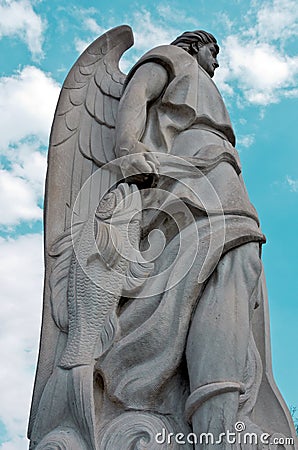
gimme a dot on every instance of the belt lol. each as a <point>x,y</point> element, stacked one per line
<point>211,129</point>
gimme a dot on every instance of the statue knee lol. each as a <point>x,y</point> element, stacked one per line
<point>208,391</point>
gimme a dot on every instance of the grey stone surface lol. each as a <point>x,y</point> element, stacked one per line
<point>155,321</point>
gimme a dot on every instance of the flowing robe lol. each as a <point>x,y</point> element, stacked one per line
<point>190,128</point>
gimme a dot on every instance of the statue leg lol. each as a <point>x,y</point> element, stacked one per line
<point>218,340</point>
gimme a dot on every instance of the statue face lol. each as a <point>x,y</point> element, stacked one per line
<point>207,58</point>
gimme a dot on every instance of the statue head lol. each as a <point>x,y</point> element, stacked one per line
<point>202,46</point>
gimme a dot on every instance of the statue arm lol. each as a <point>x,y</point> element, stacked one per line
<point>146,85</point>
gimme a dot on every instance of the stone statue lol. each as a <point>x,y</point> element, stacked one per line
<point>155,326</point>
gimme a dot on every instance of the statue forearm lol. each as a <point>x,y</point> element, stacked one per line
<point>131,123</point>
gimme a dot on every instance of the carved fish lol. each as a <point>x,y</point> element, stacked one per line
<point>105,262</point>
<point>96,262</point>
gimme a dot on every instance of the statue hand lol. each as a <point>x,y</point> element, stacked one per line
<point>140,166</point>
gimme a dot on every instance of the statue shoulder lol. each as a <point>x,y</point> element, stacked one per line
<point>175,60</point>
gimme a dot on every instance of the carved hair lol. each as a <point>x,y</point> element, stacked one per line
<point>191,41</point>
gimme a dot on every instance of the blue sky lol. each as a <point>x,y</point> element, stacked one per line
<point>39,41</point>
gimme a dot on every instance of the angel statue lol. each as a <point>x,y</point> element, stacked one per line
<point>155,328</point>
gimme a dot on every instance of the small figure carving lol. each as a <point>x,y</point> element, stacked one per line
<point>155,325</point>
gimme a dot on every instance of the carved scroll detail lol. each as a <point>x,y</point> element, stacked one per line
<point>62,439</point>
<point>137,431</point>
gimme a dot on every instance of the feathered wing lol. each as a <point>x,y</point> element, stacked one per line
<point>82,140</point>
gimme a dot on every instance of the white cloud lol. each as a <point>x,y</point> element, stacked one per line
<point>27,104</point>
<point>17,18</point>
<point>17,200</point>
<point>292,183</point>
<point>29,163</point>
<point>255,60</point>
<point>93,26</point>
<point>262,72</point>
<point>21,187</point>
<point>276,20</point>
<point>245,140</point>
<point>169,13</point>
<point>90,24</point>
<point>223,21</point>
<point>222,76</point>
<point>81,45</point>
<point>17,443</point>
<point>150,32</point>
<point>21,273</point>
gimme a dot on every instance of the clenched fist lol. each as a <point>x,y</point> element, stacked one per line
<point>139,166</point>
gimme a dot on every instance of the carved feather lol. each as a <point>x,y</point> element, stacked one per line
<point>70,163</point>
<point>94,82</point>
